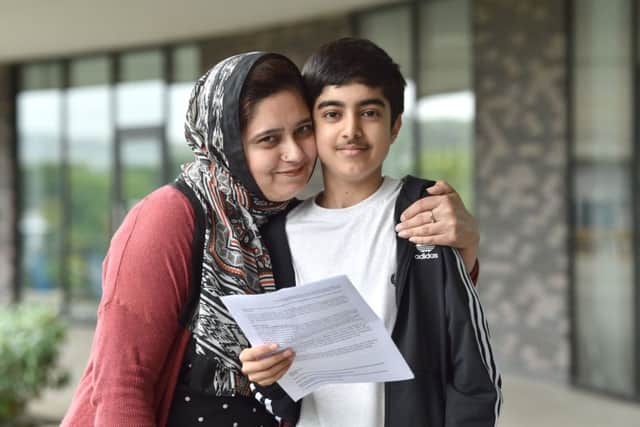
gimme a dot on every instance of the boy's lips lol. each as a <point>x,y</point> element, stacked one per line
<point>352,149</point>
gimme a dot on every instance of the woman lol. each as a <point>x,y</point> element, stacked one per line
<point>165,350</point>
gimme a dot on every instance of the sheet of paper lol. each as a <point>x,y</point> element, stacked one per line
<point>335,334</point>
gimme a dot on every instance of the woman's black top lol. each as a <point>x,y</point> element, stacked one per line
<point>197,408</point>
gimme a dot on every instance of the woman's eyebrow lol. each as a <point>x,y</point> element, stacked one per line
<point>304,122</point>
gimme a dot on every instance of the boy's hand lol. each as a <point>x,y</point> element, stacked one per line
<point>265,365</point>
<point>441,219</point>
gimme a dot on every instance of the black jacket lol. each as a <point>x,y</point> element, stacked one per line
<point>440,330</point>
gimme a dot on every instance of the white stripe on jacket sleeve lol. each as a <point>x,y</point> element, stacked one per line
<point>481,331</point>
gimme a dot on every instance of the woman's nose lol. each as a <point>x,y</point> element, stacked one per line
<point>291,151</point>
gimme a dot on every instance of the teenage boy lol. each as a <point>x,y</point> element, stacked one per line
<point>422,293</point>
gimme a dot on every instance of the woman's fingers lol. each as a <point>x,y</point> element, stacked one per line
<point>440,187</point>
<point>434,233</point>
<point>250,367</point>
<point>273,374</point>
<point>420,206</point>
<point>257,352</point>
<point>261,365</point>
<point>440,220</point>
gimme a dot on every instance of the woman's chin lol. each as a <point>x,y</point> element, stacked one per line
<point>285,192</point>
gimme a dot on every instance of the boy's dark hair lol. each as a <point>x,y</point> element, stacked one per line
<point>355,60</point>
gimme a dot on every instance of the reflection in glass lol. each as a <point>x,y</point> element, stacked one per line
<point>445,107</point>
<point>178,149</point>
<point>186,66</point>
<point>602,190</point>
<point>140,119</point>
<point>90,163</point>
<point>88,117</point>
<point>446,126</point>
<point>140,93</point>
<point>141,167</point>
<point>39,105</point>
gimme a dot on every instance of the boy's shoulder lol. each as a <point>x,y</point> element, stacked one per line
<point>413,188</point>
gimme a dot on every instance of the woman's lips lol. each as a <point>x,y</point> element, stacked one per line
<point>292,172</point>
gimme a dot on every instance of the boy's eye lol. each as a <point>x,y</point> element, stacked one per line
<point>331,115</point>
<point>371,113</point>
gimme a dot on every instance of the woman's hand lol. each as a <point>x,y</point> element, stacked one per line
<point>442,219</point>
<point>264,365</point>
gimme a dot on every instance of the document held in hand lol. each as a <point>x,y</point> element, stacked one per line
<point>336,336</point>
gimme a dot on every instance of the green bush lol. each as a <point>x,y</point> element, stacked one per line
<point>30,339</point>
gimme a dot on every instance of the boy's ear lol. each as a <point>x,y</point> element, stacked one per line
<point>395,129</point>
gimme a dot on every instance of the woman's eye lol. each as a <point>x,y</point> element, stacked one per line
<point>304,130</point>
<point>270,139</point>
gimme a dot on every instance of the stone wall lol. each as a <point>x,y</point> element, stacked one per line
<point>520,79</point>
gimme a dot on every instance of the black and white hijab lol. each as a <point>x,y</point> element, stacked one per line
<point>235,260</point>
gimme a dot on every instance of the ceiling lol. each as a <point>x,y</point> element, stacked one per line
<point>31,29</point>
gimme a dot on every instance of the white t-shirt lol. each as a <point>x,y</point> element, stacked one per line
<point>358,241</point>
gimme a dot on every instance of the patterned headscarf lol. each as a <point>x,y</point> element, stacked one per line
<point>235,260</point>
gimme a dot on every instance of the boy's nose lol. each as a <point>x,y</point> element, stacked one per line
<point>352,129</point>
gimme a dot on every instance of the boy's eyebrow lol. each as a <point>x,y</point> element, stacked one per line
<point>329,103</point>
<point>372,101</point>
<point>364,102</point>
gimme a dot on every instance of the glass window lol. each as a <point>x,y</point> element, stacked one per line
<point>602,155</point>
<point>100,127</point>
<point>39,129</point>
<point>441,115</point>
<point>140,121</point>
<point>445,107</point>
<point>186,69</point>
<point>390,29</point>
<point>90,136</point>
<point>140,91</point>
<point>140,157</point>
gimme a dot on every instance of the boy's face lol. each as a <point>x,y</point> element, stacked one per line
<point>353,131</point>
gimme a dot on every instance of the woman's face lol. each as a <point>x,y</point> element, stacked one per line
<point>280,146</point>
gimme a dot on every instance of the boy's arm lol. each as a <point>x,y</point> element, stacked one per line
<point>474,392</point>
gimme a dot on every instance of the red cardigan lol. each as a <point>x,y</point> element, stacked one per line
<point>138,343</point>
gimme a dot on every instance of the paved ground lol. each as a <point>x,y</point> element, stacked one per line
<point>527,403</point>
